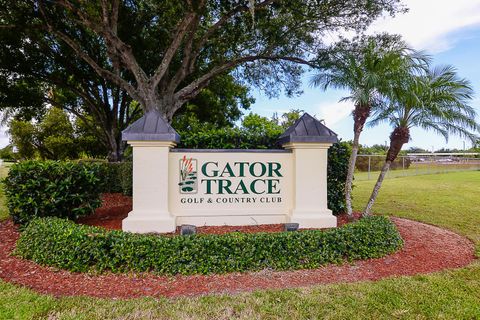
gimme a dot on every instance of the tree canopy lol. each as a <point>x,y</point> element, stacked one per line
<point>52,138</point>
<point>37,70</point>
<point>163,53</point>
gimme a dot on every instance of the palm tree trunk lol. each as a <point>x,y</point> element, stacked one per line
<point>360,115</point>
<point>398,137</point>
<point>351,169</point>
<point>376,189</point>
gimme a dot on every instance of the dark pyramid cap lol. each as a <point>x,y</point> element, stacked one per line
<point>308,129</point>
<point>152,126</point>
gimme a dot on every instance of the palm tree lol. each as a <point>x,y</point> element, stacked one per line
<point>366,68</point>
<point>434,100</point>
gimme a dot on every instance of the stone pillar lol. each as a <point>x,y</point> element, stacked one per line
<point>310,208</point>
<point>151,138</point>
<point>150,188</point>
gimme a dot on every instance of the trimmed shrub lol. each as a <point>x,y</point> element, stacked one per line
<point>125,170</point>
<point>234,138</point>
<point>116,177</point>
<point>228,138</point>
<point>337,169</point>
<point>51,188</point>
<point>65,244</point>
<point>110,180</point>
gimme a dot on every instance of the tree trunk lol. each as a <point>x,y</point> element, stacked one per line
<point>115,152</point>
<point>115,155</point>
<point>398,137</point>
<point>360,115</point>
<point>168,105</point>
<point>351,169</point>
<point>376,189</point>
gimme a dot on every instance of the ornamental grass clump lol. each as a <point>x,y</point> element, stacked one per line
<point>65,244</point>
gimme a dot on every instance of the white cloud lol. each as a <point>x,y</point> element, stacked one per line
<point>429,24</point>
<point>333,112</point>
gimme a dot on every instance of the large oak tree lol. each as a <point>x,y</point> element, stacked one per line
<point>163,53</point>
<point>36,70</point>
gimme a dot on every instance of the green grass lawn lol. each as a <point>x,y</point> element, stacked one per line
<point>416,169</point>
<point>449,200</point>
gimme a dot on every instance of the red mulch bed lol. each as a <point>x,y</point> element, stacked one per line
<point>427,249</point>
<point>115,207</point>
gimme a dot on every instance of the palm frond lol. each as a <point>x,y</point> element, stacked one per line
<point>437,100</point>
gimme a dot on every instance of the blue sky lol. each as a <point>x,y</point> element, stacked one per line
<point>447,30</point>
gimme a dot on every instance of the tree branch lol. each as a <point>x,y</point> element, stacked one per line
<point>77,114</point>
<point>123,50</point>
<point>224,20</point>
<point>180,32</point>
<point>187,61</point>
<point>191,90</point>
<point>84,56</point>
<point>114,16</point>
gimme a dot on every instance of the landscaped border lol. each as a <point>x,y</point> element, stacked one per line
<point>64,244</point>
<point>427,249</point>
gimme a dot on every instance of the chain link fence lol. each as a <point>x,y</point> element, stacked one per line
<point>368,166</point>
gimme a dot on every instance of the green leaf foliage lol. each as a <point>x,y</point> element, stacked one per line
<point>6,153</point>
<point>116,177</point>
<point>337,168</point>
<point>228,138</point>
<point>50,138</point>
<point>51,188</point>
<point>64,244</point>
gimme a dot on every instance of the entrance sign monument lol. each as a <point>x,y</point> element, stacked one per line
<point>201,187</point>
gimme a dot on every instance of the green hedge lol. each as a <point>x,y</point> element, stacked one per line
<point>235,138</point>
<point>337,169</point>
<point>116,177</point>
<point>228,138</point>
<point>67,245</point>
<point>52,188</point>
